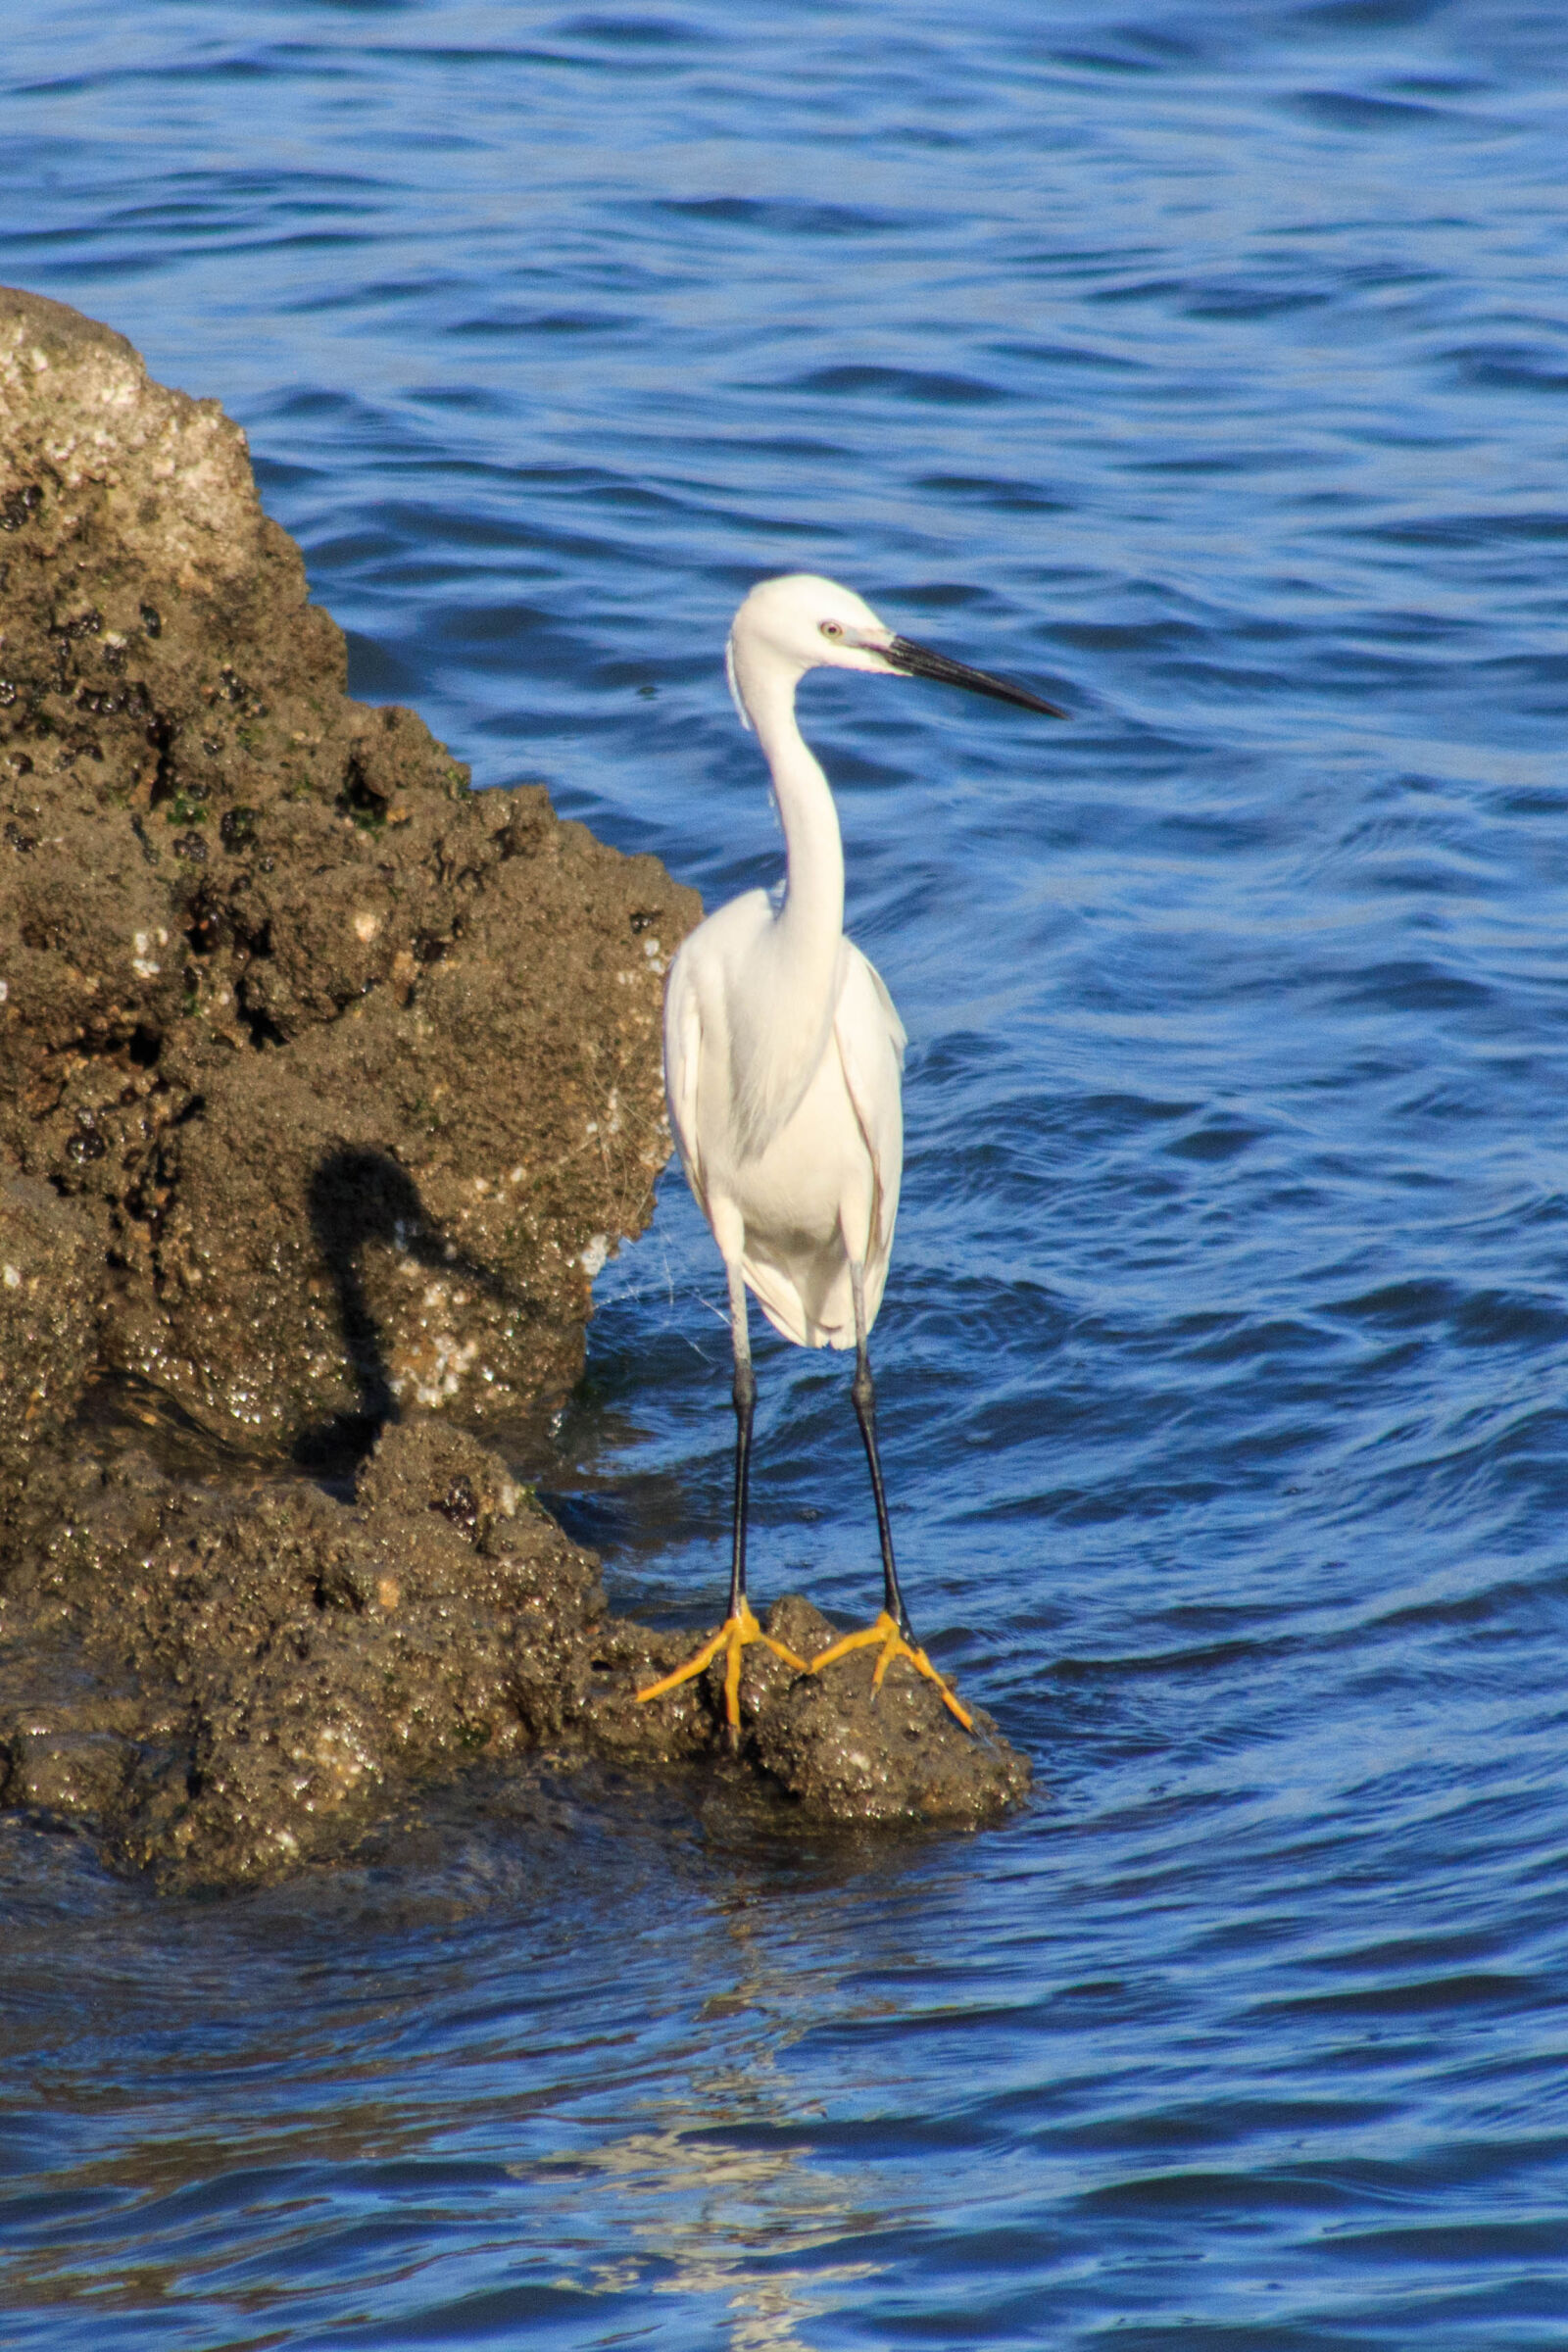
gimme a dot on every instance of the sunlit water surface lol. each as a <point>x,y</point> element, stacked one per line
<point>1206,365</point>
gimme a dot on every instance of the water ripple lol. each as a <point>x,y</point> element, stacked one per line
<point>1206,368</point>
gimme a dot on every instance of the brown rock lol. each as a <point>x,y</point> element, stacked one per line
<point>46,1322</point>
<point>243,1678</point>
<point>76,1774</point>
<point>352,1106</point>
<point>846,1755</point>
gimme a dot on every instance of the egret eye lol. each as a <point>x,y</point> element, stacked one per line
<point>831,628</point>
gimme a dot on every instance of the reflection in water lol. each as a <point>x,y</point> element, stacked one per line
<point>450,2038</point>
<point>721,2221</point>
<point>726,2223</point>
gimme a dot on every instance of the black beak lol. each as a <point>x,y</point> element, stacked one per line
<point>919,661</point>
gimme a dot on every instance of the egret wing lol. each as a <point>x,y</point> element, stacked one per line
<point>870,1041</point>
<point>683,1058</point>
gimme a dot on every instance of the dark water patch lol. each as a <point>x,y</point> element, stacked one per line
<point>1011,497</point>
<point>754,215</point>
<point>624,31</point>
<point>1215,462</point>
<point>1344,109</point>
<point>545,323</point>
<point>901,384</point>
<point>1414,1996</point>
<point>1477,530</point>
<point>1367,16</point>
<point>1286,1341</point>
<point>1507,366</point>
<point>1253,302</point>
<point>1218,1139</point>
<point>1415,984</point>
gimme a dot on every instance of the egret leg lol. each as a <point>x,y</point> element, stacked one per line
<point>745,1397</point>
<point>740,1628</point>
<point>892,1633</point>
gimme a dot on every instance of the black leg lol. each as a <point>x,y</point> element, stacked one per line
<point>745,1395</point>
<point>892,1635</point>
<point>745,1409</point>
<point>862,1391</point>
<point>740,1628</point>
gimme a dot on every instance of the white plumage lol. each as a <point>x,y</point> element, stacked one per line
<point>783,1055</point>
<point>783,1061</point>
<point>810,1168</point>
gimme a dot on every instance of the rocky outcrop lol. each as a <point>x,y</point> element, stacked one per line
<point>326,1085</point>
<point>319,1043</point>
<point>225,1683</point>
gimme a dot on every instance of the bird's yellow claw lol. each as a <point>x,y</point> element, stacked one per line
<point>894,1645</point>
<point>736,1634</point>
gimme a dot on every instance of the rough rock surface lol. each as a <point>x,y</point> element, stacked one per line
<point>239,1681</point>
<point>47,1325</point>
<point>317,1039</point>
<point>325,1087</point>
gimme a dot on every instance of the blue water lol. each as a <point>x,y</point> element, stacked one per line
<point>1208,368</point>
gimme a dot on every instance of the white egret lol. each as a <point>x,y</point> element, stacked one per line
<point>783,1060</point>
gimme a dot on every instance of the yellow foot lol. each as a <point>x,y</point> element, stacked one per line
<point>894,1645</point>
<point>736,1634</point>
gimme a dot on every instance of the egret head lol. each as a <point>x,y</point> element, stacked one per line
<point>799,623</point>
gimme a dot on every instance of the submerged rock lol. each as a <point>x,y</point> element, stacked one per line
<point>325,1086</point>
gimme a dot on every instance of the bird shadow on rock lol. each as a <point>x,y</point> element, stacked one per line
<point>357,1198</point>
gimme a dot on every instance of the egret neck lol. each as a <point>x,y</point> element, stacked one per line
<point>802,947</point>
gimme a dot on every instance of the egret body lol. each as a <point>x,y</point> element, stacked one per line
<point>783,1063</point>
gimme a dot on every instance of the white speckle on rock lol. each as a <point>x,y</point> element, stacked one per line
<point>366,925</point>
<point>594,1256</point>
<point>12,1279</point>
